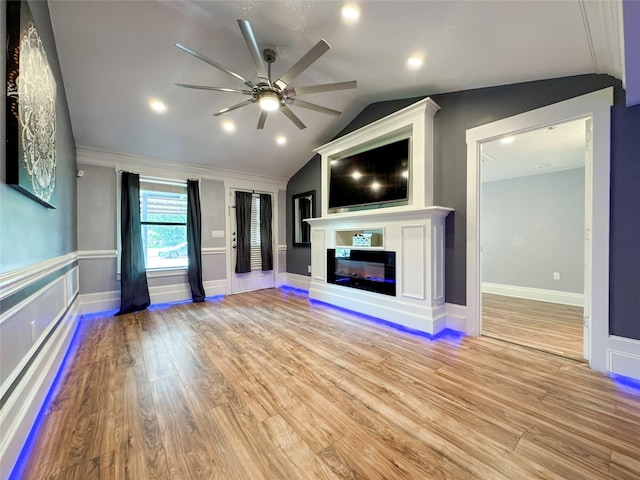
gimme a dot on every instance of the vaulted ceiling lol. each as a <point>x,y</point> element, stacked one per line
<point>116,56</point>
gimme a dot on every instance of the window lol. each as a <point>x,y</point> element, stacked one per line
<point>256,255</point>
<point>163,216</point>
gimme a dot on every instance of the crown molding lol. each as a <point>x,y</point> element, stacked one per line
<point>603,25</point>
<point>107,158</point>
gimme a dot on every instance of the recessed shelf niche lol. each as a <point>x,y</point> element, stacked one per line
<point>344,238</point>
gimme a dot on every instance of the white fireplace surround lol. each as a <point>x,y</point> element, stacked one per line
<point>416,231</point>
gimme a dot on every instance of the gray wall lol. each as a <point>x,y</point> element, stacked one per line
<point>305,180</point>
<point>533,226</point>
<point>97,230</point>
<point>471,108</point>
<point>30,232</point>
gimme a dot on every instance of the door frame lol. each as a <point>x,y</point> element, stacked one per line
<point>272,190</point>
<point>597,106</point>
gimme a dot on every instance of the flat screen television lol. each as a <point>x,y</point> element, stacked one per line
<point>376,176</point>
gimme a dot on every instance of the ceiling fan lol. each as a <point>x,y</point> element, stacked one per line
<point>272,95</point>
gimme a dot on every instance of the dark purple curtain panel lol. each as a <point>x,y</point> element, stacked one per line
<point>194,236</point>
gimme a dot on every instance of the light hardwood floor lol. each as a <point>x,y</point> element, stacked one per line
<point>550,327</point>
<point>267,385</point>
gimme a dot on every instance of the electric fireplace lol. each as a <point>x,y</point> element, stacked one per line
<point>371,270</point>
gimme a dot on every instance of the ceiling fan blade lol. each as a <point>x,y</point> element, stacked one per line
<point>262,119</point>
<point>250,39</point>
<point>234,107</point>
<point>215,64</point>
<point>326,87</point>
<point>292,116</point>
<point>216,89</point>
<point>301,65</point>
<point>312,106</point>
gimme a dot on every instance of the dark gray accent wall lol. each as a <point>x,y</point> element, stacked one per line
<point>463,110</point>
<point>30,232</point>
<point>533,226</point>
<point>624,257</point>
<point>306,179</point>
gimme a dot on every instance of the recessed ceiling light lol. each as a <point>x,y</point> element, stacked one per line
<point>506,140</point>
<point>415,62</point>
<point>375,186</point>
<point>350,12</point>
<point>356,174</point>
<point>157,105</point>
<point>281,140</point>
<point>229,126</point>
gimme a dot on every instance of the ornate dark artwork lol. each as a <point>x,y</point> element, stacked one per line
<point>31,109</point>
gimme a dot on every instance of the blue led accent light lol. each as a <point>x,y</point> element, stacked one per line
<point>294,289</point>
<point>23,457</point>
<point>446,334</point>
<point>626,382</point>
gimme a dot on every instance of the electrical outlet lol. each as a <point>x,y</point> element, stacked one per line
<point>556,275</point>
<point>309,268</point>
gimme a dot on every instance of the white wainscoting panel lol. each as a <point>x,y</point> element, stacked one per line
<point>26,400</point>
<point>624,357</point>
<point>318,255</point>
<point>413,252</point>
<point>24,327</point>
<point>72,284</point>
<point>35,335</point>
<point>437,259</point>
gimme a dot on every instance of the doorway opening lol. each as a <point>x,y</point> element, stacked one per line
<point>256,278</point>
<point>532,230</point>
<point>597,107</point>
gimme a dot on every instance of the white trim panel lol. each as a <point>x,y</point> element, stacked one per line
<point>623,357</point>
<point>15,280</point>
<point>413,251</point>
<point>530,293</point>
<point>96,254</point>
<point>294,280</point>
<point>21,409</point>
<point>214,251</point>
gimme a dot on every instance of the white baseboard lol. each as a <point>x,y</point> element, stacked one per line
<point>294,280</point>
<point>99,302</point>
<point>108,301</point>
<point>213,288</point>
<point>19,413</point>
<point>456,317</point>
<point>540,294</point>
<point>623,357</point>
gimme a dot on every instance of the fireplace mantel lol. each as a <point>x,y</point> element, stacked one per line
<point>415,231</point>
<point>417,237</point>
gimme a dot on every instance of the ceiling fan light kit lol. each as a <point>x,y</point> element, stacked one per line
<point>270,95</point>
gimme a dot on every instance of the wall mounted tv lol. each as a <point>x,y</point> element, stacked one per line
<point>372,177</point>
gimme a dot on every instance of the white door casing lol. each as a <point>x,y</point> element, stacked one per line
<point>256,279</point>
<point>595,106</point>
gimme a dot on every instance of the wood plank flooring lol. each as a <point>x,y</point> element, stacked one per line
<point>267,385</point>
<point>550,327</point>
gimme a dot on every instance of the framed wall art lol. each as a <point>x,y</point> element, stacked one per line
<point>31,108</point>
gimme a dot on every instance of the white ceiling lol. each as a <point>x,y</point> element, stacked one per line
<point>550,149</point>
<point>116,55</point>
